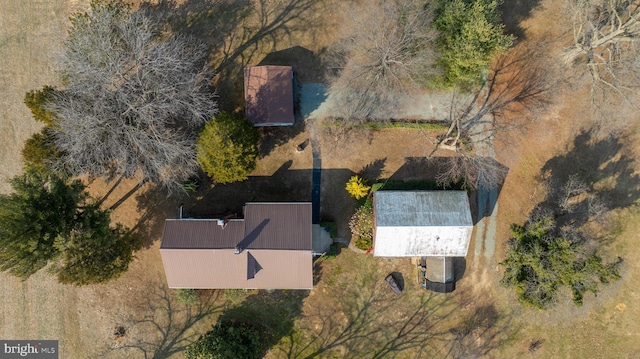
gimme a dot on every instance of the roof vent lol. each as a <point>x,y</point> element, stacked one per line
<point>223,222</point>
<point>237,249</point>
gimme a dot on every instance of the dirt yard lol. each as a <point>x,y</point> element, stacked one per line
<point>480,319</point>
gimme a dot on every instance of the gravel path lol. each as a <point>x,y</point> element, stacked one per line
<point>485,237</point>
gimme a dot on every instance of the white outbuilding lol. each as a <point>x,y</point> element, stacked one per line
<point>421,223</point>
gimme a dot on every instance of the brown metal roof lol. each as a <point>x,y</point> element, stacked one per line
<point>222,269</point>
<point>201,233</point>
<point>276,239</point>
<point>268,94</point>
<point>277,226</point>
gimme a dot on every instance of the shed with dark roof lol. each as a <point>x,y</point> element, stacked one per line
<point>271,248</point>
<point>268,94</point>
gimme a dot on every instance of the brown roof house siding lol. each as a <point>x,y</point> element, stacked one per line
<point>268,94</point>
<point>269,249</point>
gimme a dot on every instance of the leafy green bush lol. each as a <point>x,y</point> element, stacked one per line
<point>190,185</point>
<point>234,295</point>
<point>37,101</point>
<point>332,227</point>
<point>364,243</point>
<point>333,251</point>
<point>227,148</point>
<point>228,340</point>
<point>187,296</point>
<point>361,225</point>
<point>39,151</point>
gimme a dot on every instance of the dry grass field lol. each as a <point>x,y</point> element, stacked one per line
<point>480,319</point>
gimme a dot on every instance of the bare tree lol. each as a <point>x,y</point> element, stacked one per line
<point>605,39</point>
<point>517,91</point>
<point>134,98</point>
<point>387,49</point>
<point>474,171</point>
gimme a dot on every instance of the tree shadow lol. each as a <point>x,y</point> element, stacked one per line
<point>480,332</point>
<point>220,200</point>
<point>273,312</point>
<point>418,169</point>
<point>274,24</point>
<point>273,136</point>
<point>516,11</point>
<point>606,170</point>
<point>363,318</point>
<point>373,170</point>
<point>235,32</point>
<point>154,207</point>
<point>307,66</point>
<point>210,22</point>
<point>164,327</point>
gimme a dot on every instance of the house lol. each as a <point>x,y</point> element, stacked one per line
<point>421,223</point>
<point>271,248</point>
<point>268,94</point>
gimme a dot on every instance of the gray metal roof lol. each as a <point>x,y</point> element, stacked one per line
<point>422,208</point>
<point>421,223</point>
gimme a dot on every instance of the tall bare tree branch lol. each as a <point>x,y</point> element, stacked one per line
<point>134,98</point>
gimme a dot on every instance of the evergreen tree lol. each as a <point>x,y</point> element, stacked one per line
<point>41,208</point>
<point>227,148</point>
<point>471,34</point>
<point>540,262</point>
<point>49,219</point>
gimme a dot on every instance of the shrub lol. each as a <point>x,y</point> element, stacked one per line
<point>228,340</point>
<point>37,101</point>
<point>227,148</point>
<point>361,225</point>
<point>40,151</point>
<point>357,187</point>
<point>187,296</point>
<point>330,227</point>
<point>235,295</point>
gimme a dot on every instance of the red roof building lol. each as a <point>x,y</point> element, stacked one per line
<point>268,94</point>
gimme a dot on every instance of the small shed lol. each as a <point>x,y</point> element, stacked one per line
<point>268,94</point>
<point>421,223</point>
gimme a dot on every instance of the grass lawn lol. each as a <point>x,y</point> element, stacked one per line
<point>351,313</point>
